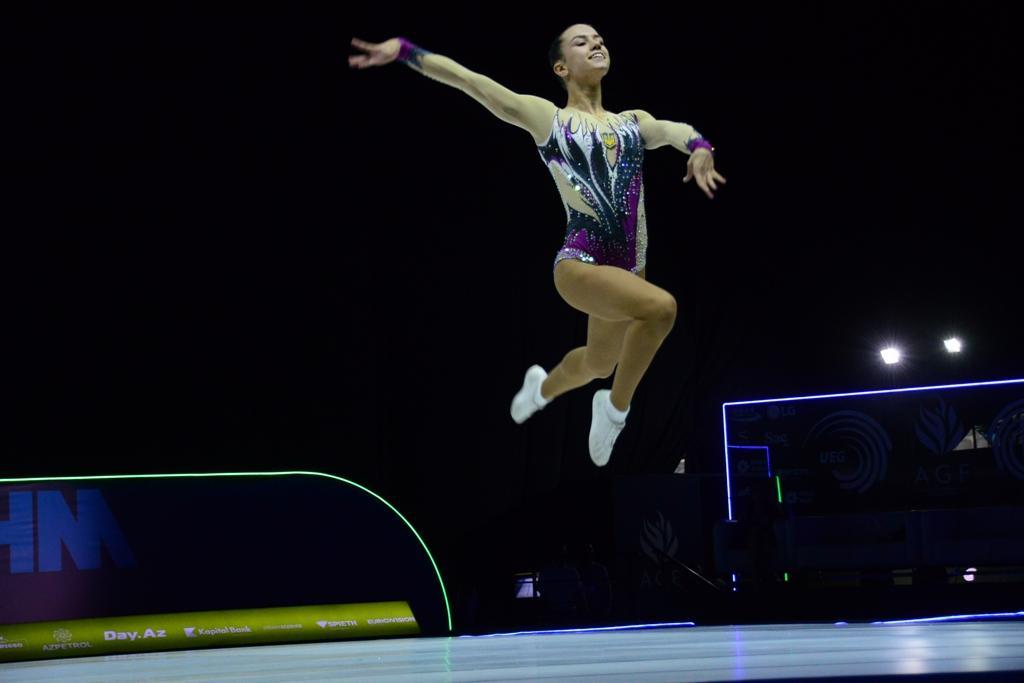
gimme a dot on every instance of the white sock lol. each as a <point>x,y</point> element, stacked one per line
<point>616,414</point>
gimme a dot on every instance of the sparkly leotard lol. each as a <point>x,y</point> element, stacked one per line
<point>600,179</point>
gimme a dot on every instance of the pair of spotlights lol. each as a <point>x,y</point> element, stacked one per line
<point>891,355</point>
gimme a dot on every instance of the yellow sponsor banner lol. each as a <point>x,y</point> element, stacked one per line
<point>189,630</point>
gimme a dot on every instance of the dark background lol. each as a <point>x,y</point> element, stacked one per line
<point>233,252</point>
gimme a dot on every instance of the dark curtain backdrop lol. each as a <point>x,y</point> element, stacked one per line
<point>229,251</point>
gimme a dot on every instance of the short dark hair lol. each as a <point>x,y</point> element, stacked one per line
<point>554,54</point>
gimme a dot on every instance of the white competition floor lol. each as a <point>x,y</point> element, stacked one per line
<point>705,653</point>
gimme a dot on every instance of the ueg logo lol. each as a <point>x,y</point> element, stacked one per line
<point>133,635</point>
<point>46,515</point>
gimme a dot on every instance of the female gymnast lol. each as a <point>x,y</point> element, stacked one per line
<point>596,158</point>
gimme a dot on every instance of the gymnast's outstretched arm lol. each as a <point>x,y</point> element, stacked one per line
<point>533,114</point>
<point>684,137</point>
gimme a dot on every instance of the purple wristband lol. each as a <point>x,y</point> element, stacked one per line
<point>698,143</point>
<point>406,51</point>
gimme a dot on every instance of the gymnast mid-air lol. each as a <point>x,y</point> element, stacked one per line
<point>596,159</point>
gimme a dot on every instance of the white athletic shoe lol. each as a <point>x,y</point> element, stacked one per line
<point>603,428</point>
<point>528,400</point>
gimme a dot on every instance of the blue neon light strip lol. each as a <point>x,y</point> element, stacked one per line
<point>728,476</point>
<point>957,617</point>
<point>877,391</point>
<point>725,425</point>
<point>633,627</point>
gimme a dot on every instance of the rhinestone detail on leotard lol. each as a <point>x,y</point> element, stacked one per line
<point>603,197</point>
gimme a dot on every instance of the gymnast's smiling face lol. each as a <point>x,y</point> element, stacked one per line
<point>585,59</point>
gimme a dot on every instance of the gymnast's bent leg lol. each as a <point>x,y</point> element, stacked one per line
<point>616,295</point>
<point>580,366</point>
<point>584,364</point>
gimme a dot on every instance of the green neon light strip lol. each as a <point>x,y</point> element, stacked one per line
<point>444,593</point>
<point>778,486</point>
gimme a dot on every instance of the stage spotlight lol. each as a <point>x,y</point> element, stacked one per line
<point>953,345</point>
<point>891,355</point>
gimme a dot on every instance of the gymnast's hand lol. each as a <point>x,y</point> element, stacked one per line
<point>377,54</point>
<point>702,167</point>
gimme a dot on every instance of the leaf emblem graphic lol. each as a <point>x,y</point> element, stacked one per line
<point>658,539</point>
<point>939,430</point>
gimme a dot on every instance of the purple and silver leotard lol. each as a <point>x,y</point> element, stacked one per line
<point>600,179</point>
